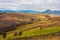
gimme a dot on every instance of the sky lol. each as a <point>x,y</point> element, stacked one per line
<point>38,5</point>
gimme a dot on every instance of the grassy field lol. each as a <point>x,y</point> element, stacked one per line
<point>37,31</point>
<point>31,32</point>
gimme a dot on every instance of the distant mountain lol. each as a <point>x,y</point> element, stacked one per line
<point>7,11</point>
<point>57,12</point>
<point>28,11</point>
<point>24,11</point>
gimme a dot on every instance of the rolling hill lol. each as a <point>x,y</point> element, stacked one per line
<point>12,22</point>
<point>8,20</point>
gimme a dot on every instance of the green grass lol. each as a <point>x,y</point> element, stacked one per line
<point>37,31</point>
<point>32,32</point>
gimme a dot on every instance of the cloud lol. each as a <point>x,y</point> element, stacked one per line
<point>38,5</point>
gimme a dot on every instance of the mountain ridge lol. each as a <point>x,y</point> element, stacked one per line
<point>56,12</point>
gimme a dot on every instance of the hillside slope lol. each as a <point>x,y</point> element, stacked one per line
<point>9,20</point>
<point>33,24</point>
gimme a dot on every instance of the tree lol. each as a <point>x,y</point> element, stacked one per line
<point>40,28</point>
<point>20,33</point>
<point>16,34</point>
<point>4,34</point>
